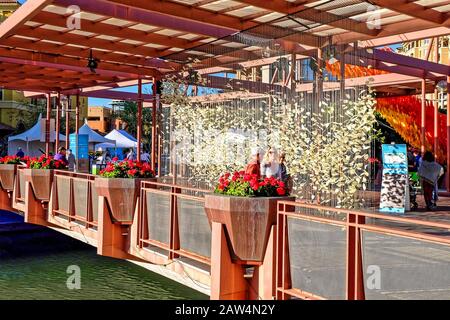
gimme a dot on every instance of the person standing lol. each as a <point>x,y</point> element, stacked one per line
<point>61,156</point>
<point>145,156</point>
<point>71,160</point>
<point>429,172</point>
<point>418,158</point>
<point>130,155</point>
<point>271,167</point>
<point>253,167</point>
<point>20,153</point>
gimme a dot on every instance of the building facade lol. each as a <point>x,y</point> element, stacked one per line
<point>99,118</point>
<point>421,49</point>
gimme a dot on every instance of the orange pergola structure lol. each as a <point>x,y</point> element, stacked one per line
<point>46,45</point>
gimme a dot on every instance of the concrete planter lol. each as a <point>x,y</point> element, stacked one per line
<point>121,195</point>
<point>7,175</point>
<point>41,182</point>
<point>247,220</point>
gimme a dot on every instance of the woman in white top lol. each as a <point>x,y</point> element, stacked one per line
<point>270,167</point>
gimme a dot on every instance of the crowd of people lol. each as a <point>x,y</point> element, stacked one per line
<point>272,165</point>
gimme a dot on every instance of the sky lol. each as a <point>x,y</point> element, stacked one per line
<point>146,89</point>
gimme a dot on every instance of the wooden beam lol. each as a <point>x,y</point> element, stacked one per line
<point>88,42</point>
<point>69,63</point>
<point>189,13</point>
<point>64,50</point>
<point>118,32</point>
<point>313,14</point>
<point>413,10</point>
<point>25,12</point>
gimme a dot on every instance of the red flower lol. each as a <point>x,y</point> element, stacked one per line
<point>115,159</point>
<point>132,172</point>
<point>281,191</point>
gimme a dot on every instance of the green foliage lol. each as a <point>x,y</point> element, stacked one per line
<point>127,112</point>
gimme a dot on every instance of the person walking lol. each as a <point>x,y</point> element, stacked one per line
<point>71,160</point>
<point>429,172</point>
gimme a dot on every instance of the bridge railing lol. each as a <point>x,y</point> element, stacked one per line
<point>172,218</point>
<point>75,198</point>
<point>328,253</point>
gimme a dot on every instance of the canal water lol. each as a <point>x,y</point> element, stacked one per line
<point>34,263</point>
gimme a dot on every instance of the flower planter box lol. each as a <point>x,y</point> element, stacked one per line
<point>121,195</point>
<point>247,220</point>
<point>41,182</point>
<point>7,175</point>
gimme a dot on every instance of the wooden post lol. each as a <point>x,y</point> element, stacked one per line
<point>153,160</point>
<point>436,105</point>
<point>139,120</point>
<point>69,105</point>
<point>58,121</point>
<point>342,80</point>
<point>448,133</point>
<point>47,125</point>
<point>77,114</point>
<point>227,278</point>
<point>423,115</point>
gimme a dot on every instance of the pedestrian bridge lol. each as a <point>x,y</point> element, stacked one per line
<point>312,252</point>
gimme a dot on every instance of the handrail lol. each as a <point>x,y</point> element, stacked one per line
<point>75,174</point>
<point>71,214</point>
<point>174,247</point>
<point>146,184</point>
<point>357,213</point>
<point>354,223</point>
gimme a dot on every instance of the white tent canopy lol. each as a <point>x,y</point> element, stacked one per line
<point>122,140</point>
<point>30,141</point>
<point>126,134</point>
<point>94,137</point>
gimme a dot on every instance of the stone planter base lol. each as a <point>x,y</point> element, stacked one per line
<point>121,195</point>
<point>247,222</point>
<point>7,175</point>
<point>41,182</point>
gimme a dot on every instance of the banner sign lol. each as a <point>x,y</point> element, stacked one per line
<point>395,184</point>
<point>83,145</point>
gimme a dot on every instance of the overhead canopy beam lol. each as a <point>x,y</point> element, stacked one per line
<point>131,13</point>
<point>68,63</point>
<point>402,60</point>
<point>189,13</point>
<point>33,61</point>
<point>23,14</point>
<point>118,32</point>
<point>315,15</point>
<point>413,10</point>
